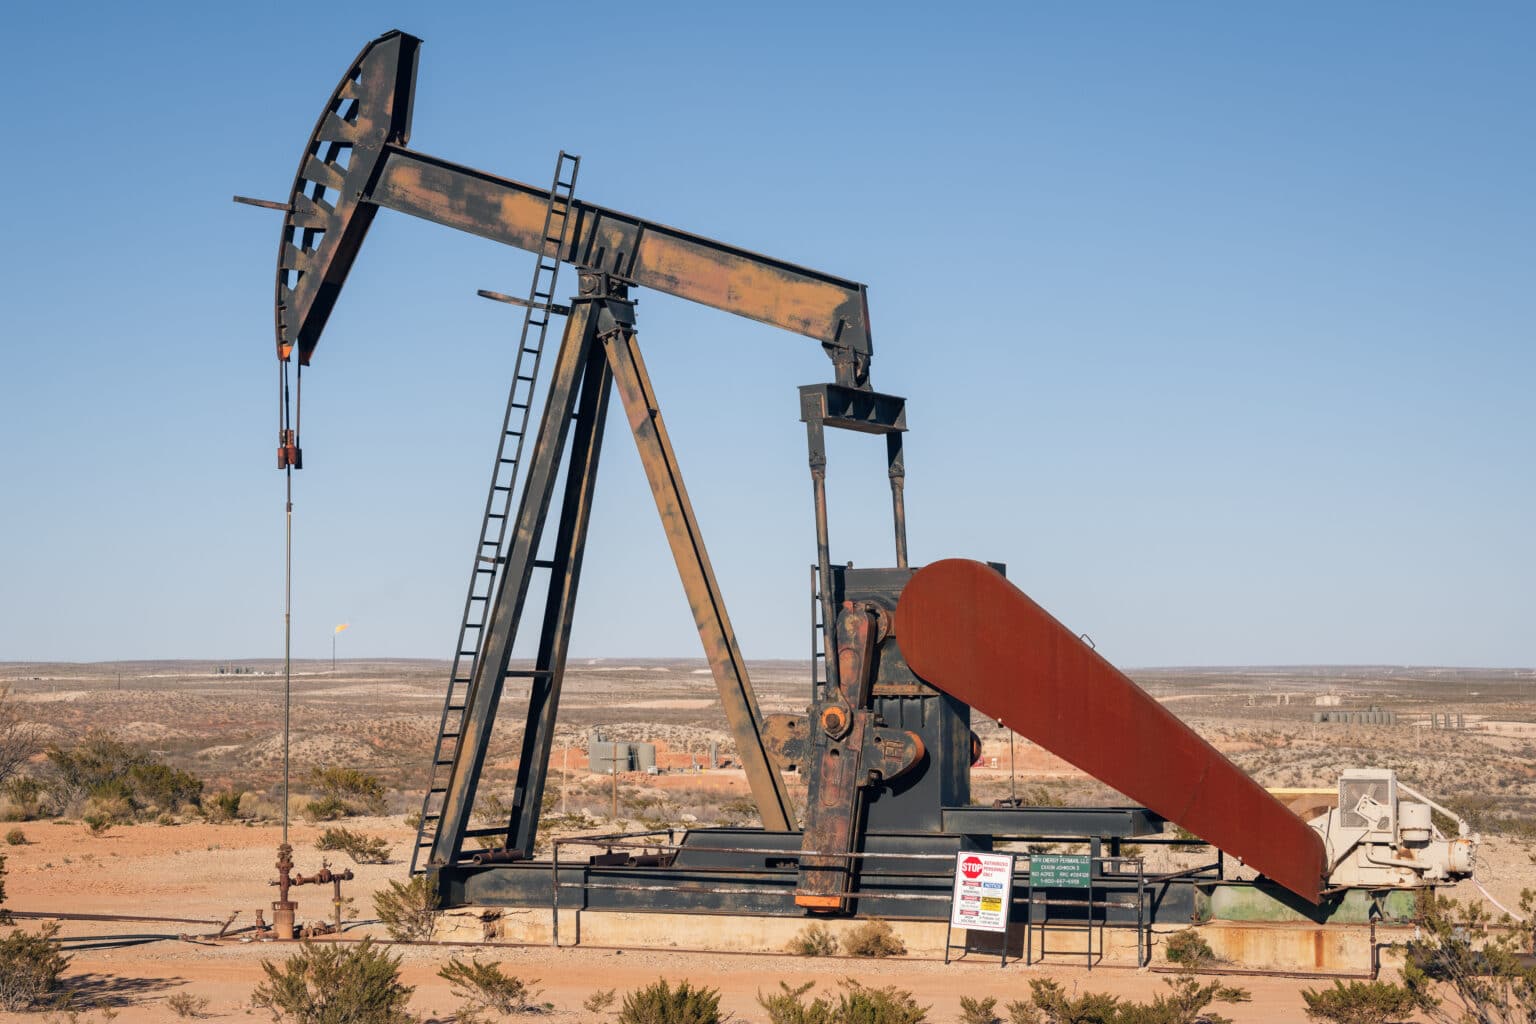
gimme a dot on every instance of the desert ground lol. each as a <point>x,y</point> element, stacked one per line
<point>222,721</point>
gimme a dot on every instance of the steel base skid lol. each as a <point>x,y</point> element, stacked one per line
<point>903,876</point>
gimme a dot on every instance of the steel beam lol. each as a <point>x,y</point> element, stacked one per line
<point>698,576</point>
<point>484,694</point>
<point>355,161</point>
<point>555,637</point>
<point>830,309</point>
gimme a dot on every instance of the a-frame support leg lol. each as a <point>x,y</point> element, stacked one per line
<point>698,577</point>
<point>565,574</point>
<point>484,696</point>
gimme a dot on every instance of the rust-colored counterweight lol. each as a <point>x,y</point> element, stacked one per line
<point>970,632</point>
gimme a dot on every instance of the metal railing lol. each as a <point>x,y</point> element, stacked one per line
<point>1104,871</point>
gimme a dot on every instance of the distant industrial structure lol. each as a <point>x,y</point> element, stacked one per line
<point>1370,716</point>
<point>606,757</point>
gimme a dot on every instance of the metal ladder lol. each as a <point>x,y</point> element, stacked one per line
<point>818,638</point>
<point>538,310</point>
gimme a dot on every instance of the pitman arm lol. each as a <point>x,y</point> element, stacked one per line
<point>968,631</point>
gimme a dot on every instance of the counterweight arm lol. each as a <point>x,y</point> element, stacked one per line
<point>971,633</point>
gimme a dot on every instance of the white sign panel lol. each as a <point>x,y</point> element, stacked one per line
<point>983,891</point>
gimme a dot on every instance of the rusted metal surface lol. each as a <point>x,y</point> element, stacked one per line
<point>355,162</point>
<point>787,738</point>
<point>896,469</point>
<point>850,751</point>
<point>560,604</point>
<point>698,575</point>
<point>830,309</point>
<point>327,218</point>
<point>484,694</point>
<point>967,630</point>
<point>284,910</point>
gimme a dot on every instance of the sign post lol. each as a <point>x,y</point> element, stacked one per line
<point>1057,871</point>
<point>981,899</point>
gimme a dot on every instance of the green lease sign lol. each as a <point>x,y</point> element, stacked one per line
<point>1059,871</point>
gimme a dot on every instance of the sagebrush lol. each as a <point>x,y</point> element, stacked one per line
<point>1482,962</point>
<point>873,938</point>
<point>1361,1002</point>
<point>661,1003</point>
<point>113,781</point>
<point>599,1001</point>
<point>976,1010</point>
<point>813,940</point>
<point>856,1004</point>
<point>362,848</point>
<point>344,792</point>
<point>486,989</point>
<point>1188,1001</point>
<point>333,984</point>
<point>1189,949</point>
<point>186,1005</point>
<point>31,966</point>
<point>407,910</point>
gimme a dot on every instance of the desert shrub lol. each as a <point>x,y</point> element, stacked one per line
<point>357,791</point>
<point>117,778</point>
<point>15,837</point>
<point>737,810</point>
<point>186,1005</point>
<point>112,803</point>
<point>1481,960</point>
<point>978,1011</point>
<point>99,823</point>
<point>788,1006</point>
<point>1358,1002</point>
<point>857,1004</point>
<point>1187,1002</point>
<point>1189,949</point>
<point>660,1003</point>
<point>363,849</point>
<point>1049,1004</point>
<point>224,806</point>
<point>18,739</point>
<point>873,938</point>
<point>492,809</point>
<point>1040,796</point>
<point>1180,832</point>
<point>159,787</point>
<point>485,989</point>
<point>30,968</point>
<point>599,1001</point>
<point>407,909</point>
<point>326,808</point>
<point>861,1004</point>
<point>335,985</point>
<point>813,940</point>
<point>24,798</point>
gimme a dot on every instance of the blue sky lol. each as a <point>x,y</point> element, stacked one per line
<point>1215,321</point>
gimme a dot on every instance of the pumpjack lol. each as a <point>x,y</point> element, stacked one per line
<point>906,654</point>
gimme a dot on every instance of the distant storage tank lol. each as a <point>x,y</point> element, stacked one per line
<point>605,758</point>
<point>644,756</point>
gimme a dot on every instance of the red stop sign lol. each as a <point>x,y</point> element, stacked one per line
<point>971,867</point>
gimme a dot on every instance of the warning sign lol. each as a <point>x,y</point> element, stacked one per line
<point>983,891</point>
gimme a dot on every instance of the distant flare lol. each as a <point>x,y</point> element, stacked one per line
<point>341,627</point>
